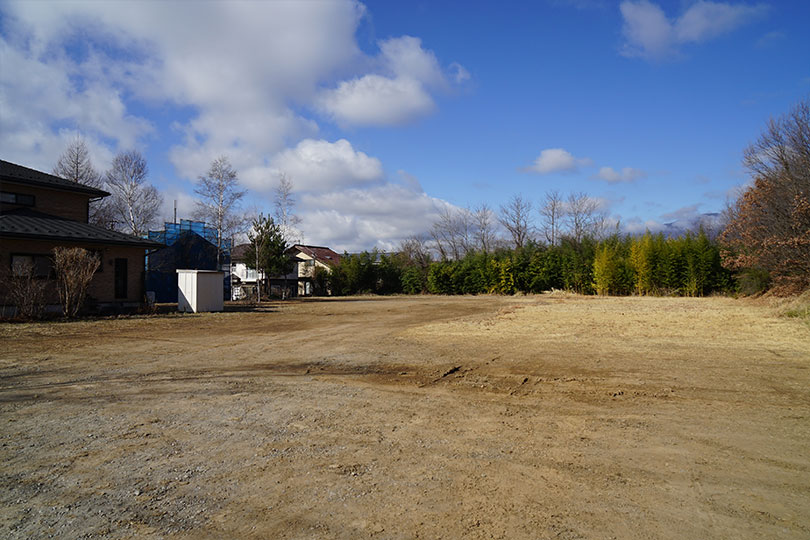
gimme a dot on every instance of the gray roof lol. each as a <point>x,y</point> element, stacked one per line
<point>25,223</point>
<point>11,172</point>
<point>238,252</point>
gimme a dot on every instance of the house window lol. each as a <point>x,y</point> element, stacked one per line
<point>17,198</point>
<point>310,262</point>
<point>39,266</point>
<point>120,278</point>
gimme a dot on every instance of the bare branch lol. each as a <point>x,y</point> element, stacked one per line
<point>515,216</point>
<point>552,214</point>
<point>584,217</point>
<point>284,204</point>
<point>483,221</point>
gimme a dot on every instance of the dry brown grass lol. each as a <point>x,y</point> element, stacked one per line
<point>551,416</point>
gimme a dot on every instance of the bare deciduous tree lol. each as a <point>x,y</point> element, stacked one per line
<point>74,164</point>
<point>584,217</point>
<point>219,199</point>
<point>552,213</point>
<point>134,203</point>
<point>74,270</point>
<point>483,220</point>
<point>452,233</point>
<point>284,204</point>
<point>515,216</point>
<point>416,251</point>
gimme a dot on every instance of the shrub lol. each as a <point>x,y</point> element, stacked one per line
<point>25,291</point>
<point>74,270</point>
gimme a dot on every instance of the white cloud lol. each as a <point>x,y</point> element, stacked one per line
<point>637,226</point>
<point>404,57</point>
<point>376,100</point>
<point>356,219</point>
<point>242,71</point>
<point>321,165</point>
<point>553,160</point>
<point>41,109</point>
<point>688,218</point>
<point>706,20</point>
<point>647,30</point>
<point>627,174</point>
<point>410,181</point>
<point>244,77</point>
<point>684,213</point>
<point>240,88</point>
<point>185,207</point>
<point>650,34</point>
<point>399,90</point>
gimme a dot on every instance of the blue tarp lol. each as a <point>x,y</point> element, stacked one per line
<point>191,245</point>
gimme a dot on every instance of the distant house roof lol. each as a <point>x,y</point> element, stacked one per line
<point>319,253</point>
<point>238,252</point>
<point>27,223</point>
<point>11,172</point>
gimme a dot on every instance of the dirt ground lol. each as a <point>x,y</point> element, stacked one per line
<point>547,416</point>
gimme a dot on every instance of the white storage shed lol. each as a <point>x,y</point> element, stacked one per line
<point>200,290</point>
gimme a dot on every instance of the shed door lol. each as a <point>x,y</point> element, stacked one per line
<point>121,278</point>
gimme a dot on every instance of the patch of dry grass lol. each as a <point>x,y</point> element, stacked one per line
<point>797,307</point>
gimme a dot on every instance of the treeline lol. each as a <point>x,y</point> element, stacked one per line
<point>689,265</point>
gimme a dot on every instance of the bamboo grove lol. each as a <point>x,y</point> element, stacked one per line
<point>689,265</point>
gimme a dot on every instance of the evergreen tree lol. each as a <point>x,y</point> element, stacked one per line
<point>267,249</point>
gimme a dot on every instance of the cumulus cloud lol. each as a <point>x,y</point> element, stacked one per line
<point>553,160</point>
<point>410,181</point>
<point>234,78</point>
<point>398,92</point>
<point>238,88</point>
<point>243,73</point>
<point>186,205</point>
<point>627,174</point>
<point>321,165</point>
<point>650,34</point>
<point>377,100</point>
<point>381,216</point>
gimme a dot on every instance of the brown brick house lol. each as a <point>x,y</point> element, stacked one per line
<point>39,212</point>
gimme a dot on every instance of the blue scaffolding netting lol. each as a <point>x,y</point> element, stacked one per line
<point>190,245</point>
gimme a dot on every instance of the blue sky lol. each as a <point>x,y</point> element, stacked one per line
<point>385,113</point>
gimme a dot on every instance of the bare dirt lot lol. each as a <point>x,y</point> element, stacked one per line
<point>487,417</point>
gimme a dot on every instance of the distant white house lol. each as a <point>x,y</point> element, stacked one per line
<point>299,282</point>
<point>307,259</point>
<point>243,278</point>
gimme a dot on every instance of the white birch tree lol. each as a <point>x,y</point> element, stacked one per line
<point>219,199</point>
<point>134,203</point>
<point>284,205</point>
